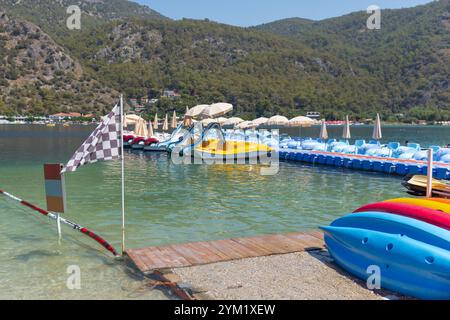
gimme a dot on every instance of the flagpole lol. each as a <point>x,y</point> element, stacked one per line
<point>123,174</point>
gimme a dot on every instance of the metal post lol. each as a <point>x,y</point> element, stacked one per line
<point>430,174</point>
<point>123,174</point>
<point>58,226</point>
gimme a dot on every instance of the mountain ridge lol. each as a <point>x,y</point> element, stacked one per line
<point>333,66</point>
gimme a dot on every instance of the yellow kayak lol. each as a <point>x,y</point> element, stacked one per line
<point>423,202</point>
<point>215,148</point>
<point>447,201</point>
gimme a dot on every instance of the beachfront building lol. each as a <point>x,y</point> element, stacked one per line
<point>70,115</point>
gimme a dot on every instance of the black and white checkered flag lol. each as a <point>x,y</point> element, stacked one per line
<point>102,144</point>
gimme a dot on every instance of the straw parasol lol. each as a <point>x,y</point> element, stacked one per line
<point>174,123</point>
<point>346,134</point>
<point>233,121</point>
<point>130,119</point>
<point>155,123</point>
<point>260,121</point>
<point>141,129</point>
<point>277,121</point>
<point>166,123</point>
<point>187,121</point>
<point>216,110</point>
<point>301,122</point>
<point>323,131</point>
<point>377,135</point>
<point>150,129</point>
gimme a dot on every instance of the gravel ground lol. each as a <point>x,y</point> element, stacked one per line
<point>297,276</point>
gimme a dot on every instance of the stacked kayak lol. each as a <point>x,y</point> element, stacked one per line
<point>407,239</point>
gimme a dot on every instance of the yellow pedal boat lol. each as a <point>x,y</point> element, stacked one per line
<point>214,149</point>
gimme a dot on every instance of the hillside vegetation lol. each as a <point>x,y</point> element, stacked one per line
<point>335,66</point>
<point>38,77</point>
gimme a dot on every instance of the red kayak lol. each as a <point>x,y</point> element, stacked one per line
<point>438,218</point>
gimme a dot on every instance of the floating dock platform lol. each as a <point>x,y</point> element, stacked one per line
<point>161,258</point>
<point>366,163</point>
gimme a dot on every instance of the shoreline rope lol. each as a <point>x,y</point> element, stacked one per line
<point>69,223</point>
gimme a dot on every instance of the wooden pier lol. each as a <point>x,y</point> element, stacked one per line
<point>152,259</point>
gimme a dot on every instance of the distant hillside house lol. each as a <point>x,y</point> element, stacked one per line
<point>139,108</point>
<point>136,106</point>
<point>171,94</point>
<point>313,115</point>
<point>133,102</point>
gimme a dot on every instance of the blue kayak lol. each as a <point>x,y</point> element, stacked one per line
<point>397,224</point>
<point>412,259</point>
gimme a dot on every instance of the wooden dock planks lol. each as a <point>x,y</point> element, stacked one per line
<point>150,259</point>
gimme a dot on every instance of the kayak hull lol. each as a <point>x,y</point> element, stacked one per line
<point>426,203</point>
<point>435,217</point>
<point>413,257</point>
<point>447,201</point>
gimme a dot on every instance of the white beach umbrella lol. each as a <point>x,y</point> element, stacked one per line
<point>323,131</point>
<point>301,122</point>
<point>216,110</point>
<point>206,122</point>
<point>196,111</point>
<point>233,121</point>
<point>246,125</point>
<point>166,123</point>
<point>174,123</point>
<point>221,120</point>
<point>346,134</point>
<point>141,129</point>
<point>150,128</point>
<point>260,121</point>
<point>278,121</point>
<point>155,123</point>
<point>377,135</point>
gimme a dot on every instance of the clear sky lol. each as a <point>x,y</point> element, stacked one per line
<point>253,12</point>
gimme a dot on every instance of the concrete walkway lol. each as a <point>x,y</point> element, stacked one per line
<point>299,276</point>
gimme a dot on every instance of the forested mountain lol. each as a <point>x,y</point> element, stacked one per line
<point>260,74</point>
<point>410,55</point>
<point>51,15</point>
<point>37,76</point>
<point>334,66</point>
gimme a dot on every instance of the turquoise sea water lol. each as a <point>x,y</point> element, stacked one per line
<point>165,203</point>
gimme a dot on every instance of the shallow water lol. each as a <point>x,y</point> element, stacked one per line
<point>166,203</point>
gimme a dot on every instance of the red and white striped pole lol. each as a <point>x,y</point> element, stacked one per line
<point>71,224</point>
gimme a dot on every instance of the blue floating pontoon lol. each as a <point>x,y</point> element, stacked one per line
<point>365,163</point>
